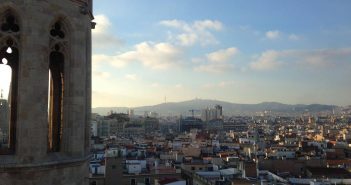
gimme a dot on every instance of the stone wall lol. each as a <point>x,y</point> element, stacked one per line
<point>54,174</point>
<point>31,162</point>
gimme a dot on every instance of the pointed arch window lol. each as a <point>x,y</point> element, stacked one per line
<point>56,86</point>
<point>9,69</point>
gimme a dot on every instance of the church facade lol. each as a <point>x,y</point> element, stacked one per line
<point>47,45</point>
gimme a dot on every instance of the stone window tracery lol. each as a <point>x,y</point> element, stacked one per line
<point>9,60</point>
<point>58,45</point>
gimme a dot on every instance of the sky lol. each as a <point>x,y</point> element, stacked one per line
<point>147,52</point>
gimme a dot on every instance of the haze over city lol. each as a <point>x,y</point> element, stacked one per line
<point>238,51</point>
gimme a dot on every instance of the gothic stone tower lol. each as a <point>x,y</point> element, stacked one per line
<point>47,44</point>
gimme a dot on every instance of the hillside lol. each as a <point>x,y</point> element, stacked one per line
<point>177,108</point>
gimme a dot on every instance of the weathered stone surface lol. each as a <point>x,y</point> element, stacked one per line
<point>31,162</point>
<point>55,174</point>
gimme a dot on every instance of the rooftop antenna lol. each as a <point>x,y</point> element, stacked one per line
<point>1,97</point>
<point>192,112</point>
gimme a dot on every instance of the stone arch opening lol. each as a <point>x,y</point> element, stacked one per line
<point>9,61</point>
<point>58,42</point>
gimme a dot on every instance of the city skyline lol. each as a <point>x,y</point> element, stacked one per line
<point>238,51</point>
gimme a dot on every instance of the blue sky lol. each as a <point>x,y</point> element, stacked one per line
<point>242,51</point>
<point>238,51</point>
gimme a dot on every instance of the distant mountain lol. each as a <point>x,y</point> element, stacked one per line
<point>228,108</point>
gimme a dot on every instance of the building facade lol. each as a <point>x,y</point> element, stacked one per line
<point>4,122</point>
<point>214,113</point>
<point>47,45</point>
<point>189,123</point>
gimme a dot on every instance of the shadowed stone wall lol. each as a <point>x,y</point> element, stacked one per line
<point>31,163</point>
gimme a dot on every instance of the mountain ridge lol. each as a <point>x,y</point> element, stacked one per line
<point>183,107</point>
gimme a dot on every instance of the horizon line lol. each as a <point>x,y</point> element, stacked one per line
<point>221,101</point>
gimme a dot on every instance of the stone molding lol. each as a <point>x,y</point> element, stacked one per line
<point>63,163</point>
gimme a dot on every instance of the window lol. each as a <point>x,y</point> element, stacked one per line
<point>56,87</point>
<point>147,181</point>
<point>9,67</point>
<point>132,182</point>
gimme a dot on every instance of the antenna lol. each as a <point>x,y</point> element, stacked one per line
<point>193,112</point>
<point>1,97</point>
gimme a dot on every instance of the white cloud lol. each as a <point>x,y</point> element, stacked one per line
<point>175,24</point>
<point>188,39</point>
<point>155,85</point>
<point>157,55</point>
<point>222,55</point>
<point>192,33</point>
<point>102,24</point>
<point>276,34</point>
<point>208,85</point>
<point>101,35</point>
<point>248,29</point>
<point>208,24</point>
<point>273,34</point>
<point>197,60</point>
<point>226,84</point>
<point>131,76</point>
<point>118,61</point>
<point>320,58</point>
<point>294,37</point>
<point>267,61</point>
<point>151,55</point>
<point>100,74</point>
<point>218,61</point>
<point>214,68</point>
<point>178,86</point>
<point>222,84</point>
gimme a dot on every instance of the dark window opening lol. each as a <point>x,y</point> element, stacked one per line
<point>132,182</point>
<point>56,87</point>
<point>9,60</point>
<point>56,94</point>
<point>147,181</point>
<point>9,24</point>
